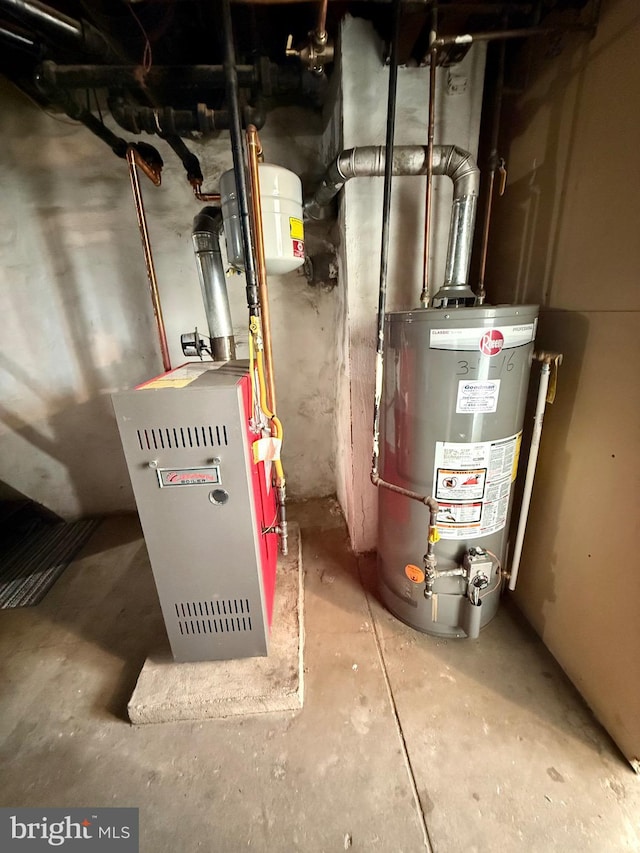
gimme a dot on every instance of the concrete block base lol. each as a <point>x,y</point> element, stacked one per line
<point>167,691</point>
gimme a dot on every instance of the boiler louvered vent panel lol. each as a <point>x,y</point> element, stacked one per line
<point>230,615</point>
<point>168,438</point>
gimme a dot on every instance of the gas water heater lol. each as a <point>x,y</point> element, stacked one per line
<point>455,388</point>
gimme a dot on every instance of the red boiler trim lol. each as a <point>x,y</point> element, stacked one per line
<point>265,507</point>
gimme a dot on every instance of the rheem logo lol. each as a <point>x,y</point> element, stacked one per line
<point>491,342</point>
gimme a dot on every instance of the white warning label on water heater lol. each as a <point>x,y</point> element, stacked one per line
<point>473,485</point>
<point>477,397</point>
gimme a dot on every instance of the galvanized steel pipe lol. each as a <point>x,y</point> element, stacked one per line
<point>207,227</point>
<point>449,160</point>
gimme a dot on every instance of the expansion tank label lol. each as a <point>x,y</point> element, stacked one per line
<point>473,485</point>
<point>296,228</point>
<point>487,341</point>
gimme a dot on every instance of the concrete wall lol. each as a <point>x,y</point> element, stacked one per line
<point>76,316</point>
<point>365,86</point>
<point>566,235</point>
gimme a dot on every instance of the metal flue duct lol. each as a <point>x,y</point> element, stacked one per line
<point>448,160</point>
<point>207,227</point>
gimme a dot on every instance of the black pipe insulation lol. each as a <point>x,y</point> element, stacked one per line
<point>386,214</point>
<point>176,122</point>
<point>135,76</point>
<point>20,41</point>
<point>264,76</point>
<point>237,150</point>
<point>189,160</point>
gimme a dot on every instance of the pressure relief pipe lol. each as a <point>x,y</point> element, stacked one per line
<point>207,228</point>
<point>541,402</point>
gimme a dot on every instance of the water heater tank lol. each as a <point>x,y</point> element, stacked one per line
<point>455,388</point>
<point>281,202</point>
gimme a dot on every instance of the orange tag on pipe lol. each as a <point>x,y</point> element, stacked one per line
<point>414,573</point>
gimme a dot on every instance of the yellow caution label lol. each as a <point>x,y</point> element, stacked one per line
<point>516,457</point>
<point>296,228</point>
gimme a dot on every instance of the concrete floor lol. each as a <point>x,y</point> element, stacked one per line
<point>405,742</point>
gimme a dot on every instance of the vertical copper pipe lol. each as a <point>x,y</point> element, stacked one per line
<point>493,165</point>
<point>255,153</point>
<point>485,238</point>
<point>148,258</point>
<point>425,296</point>
<point>321,29</point>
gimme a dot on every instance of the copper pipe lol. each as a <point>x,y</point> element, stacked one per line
<point>255,153</point>
<point>494,163</point>
<point>133,158</point>
<point>485,238</point>
<point>200,196</point>
<point>496,35</point>
<point>321,28</point>
<point>150,171</point>
<point>425,296</point>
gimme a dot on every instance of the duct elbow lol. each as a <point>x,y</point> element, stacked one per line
<point>460,166</point>
<point>206,231</point>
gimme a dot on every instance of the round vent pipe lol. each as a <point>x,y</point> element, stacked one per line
<point>448,160</point>
<point>207,228</point>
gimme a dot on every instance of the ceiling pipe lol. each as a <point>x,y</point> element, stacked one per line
<point>55,25</point>
<point>135,76</point>
<point>176,122</point>
<point>448,160</point>
<point>497,35</point>
<point>20,41</point>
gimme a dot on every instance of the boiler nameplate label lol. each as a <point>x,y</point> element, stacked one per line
<point>209,476</point>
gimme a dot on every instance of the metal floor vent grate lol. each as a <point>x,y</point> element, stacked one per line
<point>224,616</point>
<point>167,438</point>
